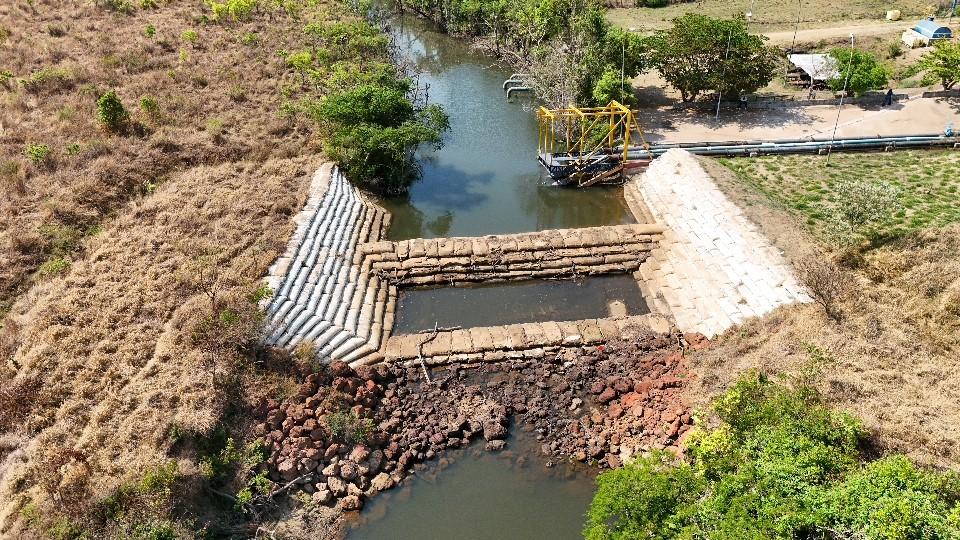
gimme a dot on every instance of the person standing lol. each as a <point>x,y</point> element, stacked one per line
<point>888,98</point>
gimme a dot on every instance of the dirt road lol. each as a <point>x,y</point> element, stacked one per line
<point>861,28</point>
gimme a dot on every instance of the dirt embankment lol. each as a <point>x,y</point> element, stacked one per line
<point>348,434</point>
<point>197,93</point>
<point>894,357</point>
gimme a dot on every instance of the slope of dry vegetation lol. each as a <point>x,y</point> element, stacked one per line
<point>130,260</point>
<point>893,357</point>
<point>204,98</point>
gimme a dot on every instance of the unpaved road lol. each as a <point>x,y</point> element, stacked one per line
<point>861,28</point>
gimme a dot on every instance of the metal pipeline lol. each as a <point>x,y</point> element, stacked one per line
<point>795,146</point>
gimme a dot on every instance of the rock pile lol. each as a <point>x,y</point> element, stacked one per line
<point>349,434</point>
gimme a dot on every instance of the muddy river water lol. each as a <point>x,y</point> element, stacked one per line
<point>486,180</point>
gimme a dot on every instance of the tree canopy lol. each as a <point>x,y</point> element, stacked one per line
<point>692,56</point>
<point>865,72</point>
<point>943,63</point>
<point>780,464</point>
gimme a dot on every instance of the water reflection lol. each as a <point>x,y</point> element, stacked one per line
<point>518,302</point>
<point>486,179</point>
<point>482,496</point>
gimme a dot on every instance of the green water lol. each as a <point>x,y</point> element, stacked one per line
<point>518,302</point>
<point>486,179</point>
<point>483,497</point>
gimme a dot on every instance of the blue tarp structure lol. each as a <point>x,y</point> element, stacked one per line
<point>931,29</point>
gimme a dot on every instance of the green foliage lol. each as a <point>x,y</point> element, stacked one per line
<point>693,57</point>
<point>375,131</point>
<point>859,70</point>
<point>150,106</point>
<point>54,266</point>
<point>111,113</point>
<point>643,500</point>
<point>190,36</point>
<point>250,38</point>
<point>611,87</point>
<point>139,508</point>
<point>235,10</point>
<point>5,77</point>
<point>48,79</point>
<point>863,206</point>
<point>346,426</point>
<point>943,63</point>
<point>37,153</point>
<point>780,464</point>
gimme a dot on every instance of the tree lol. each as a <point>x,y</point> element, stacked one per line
<point>778,464</point>
<point>863,69</point>
<point>692,56</point>
<point>374,132</point>
<point>943,62</point>
<point>111,113</point>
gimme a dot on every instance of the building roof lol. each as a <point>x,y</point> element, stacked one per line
<point>932,29</point>
<point>819,67</point>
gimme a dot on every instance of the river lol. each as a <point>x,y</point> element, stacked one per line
<point>486,178</point>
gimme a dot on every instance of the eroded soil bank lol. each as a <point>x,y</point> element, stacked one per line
<point>349,434</point>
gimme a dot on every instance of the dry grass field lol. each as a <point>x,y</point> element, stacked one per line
<point>194,100</point>
<point>894,357</point>
<point>129,260</point>
<point>771,14</point>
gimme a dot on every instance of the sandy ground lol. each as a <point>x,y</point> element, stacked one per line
<point>911,117</point>
<point>861,28</point>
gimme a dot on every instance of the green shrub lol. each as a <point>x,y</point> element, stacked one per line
<point>863,207</point>
<point>779,464</point>
<point>54,266</point>
<point>48,79</point>
<point>346,426</point>
<point>860,71</point>
<point>150,30</point>
<point>111,113</point>
<point>190,36</point>
<point>250,38</point>
<point>5,77</point>
<point>37,153</point>
<point>150,106</point>
<point>375,131</point>
<point>148,4</point>
<point>235,10</point>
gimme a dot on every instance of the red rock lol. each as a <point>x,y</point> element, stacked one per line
<point>622,385</point>
<point>339,368</point>
<point>614,411</point>
<point>597,387</point>
<point>613,461</point>
<point>642,387</point>
<point>351,503</point>
<point>607,395</point>
<point>630,399</point>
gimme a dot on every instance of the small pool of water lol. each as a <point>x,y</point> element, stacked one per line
<point>483,496</point>
<point>486,179</point>
<point>518,302</point>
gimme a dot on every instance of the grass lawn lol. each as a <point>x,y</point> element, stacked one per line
<point>927,180</point>
<point>770,14</point>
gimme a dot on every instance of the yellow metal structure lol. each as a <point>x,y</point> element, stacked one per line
<point>579,126</point>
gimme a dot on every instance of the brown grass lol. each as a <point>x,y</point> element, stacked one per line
<point>106,339</point>
<point>218,81</point>
<point>110,341</point>
<point>892,360</point>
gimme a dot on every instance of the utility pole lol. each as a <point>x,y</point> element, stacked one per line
<point>846,80</point>
<point>725,57</point>
<point>796,27</point>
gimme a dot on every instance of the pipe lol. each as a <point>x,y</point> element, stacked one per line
<point>518,89</point>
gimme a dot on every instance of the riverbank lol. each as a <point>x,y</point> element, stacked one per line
<point>349,434</point>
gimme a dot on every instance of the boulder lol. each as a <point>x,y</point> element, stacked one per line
<point>495,446</point>
<point>493,430</point>
<point>607,395</point>
<point>337,486</point>
<point>351,503</point>
<point>382,482</point>
<point>348,470</point>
